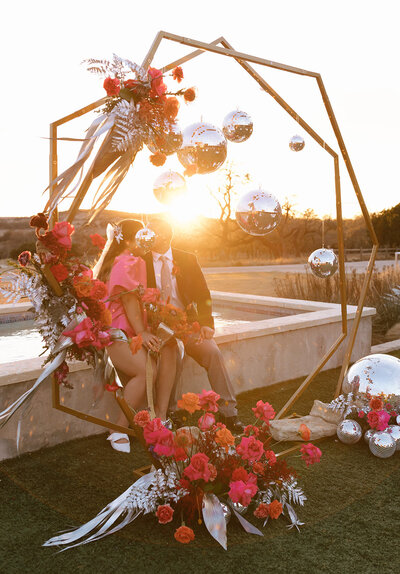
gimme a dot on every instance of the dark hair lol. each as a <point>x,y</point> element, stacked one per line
<point>129,228</point>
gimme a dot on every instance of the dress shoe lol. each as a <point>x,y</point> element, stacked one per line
<point>120,446</point>
<point>233,424</point>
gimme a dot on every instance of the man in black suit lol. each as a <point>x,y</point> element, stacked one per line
<point>179,277</point>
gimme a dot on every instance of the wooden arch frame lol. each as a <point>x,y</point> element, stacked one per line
<point>222,47</point>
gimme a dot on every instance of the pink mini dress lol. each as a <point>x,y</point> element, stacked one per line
<point>127,273</point>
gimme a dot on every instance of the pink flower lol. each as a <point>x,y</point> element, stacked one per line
<point>151,430</point>
<point>263,411</point>
<point>60,272</point>
<point>62,231</point>
<point>361,414</point>
<point>142,418</point>
<point>206,421</point>
<point>98,241</point>
<point>165,443</point>
<point>112,86</point>
<point>151,295</point>
<point>88,334</point>
<point>378,420</point>
<point>198,468</point>
<point>310,454</point>
<point>270,456</point>
<point>250,448</point>
<point>251,429</point>
<point>208,400</point>
<point>24,258</point>
<point>242,492</point>
<point>164,513</point>
<point>158,88</point>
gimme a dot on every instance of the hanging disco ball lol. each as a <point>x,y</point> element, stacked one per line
<point>349,431</point>
<point>168,141</point>
<point>169,186</point>
<point>258,212</point>
<point>394,431</point>
<point>237,126</point>
<point>382,444</point>
<point>297,143</point>
<point>375,375</point>
<point>145,238</point>
<point>204,146</point>
<point>323,263</point>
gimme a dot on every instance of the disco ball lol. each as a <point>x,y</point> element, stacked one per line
<point>240,509</point>
<point>258,212</point>
<point>168,141</point>
<point>375,375</point>
<point>369,434</point>
<point>237,126</point>
<point>227,512</point>
<point>323,263</point>
<point>169,186</point>
<point>145,238</point>
<point>204,146</point>
<point>349,431</point>
<point>382,444</point>
<point>394,431</point>
<point>398,419</point>
<point>297,143</point>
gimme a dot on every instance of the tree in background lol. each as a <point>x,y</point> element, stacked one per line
<point>387,226</point>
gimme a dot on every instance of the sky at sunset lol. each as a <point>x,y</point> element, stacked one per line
<point>352,43</point>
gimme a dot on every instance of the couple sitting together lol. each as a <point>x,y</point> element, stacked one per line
<point>124,268</point>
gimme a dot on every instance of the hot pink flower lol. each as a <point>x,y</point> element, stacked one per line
<point>60,272</point>
<point>263,411</point>
<point>62,231</point>
<point>112,86</point>
<point>310,454</point>
<point>378,420</point>
<point>270,456</point>
<point>242,492</point>
<point>165,443</point>
<point>151,295</point>
<point>250,448</point>
<point>361,414</point>
<point>206,421</point>
<point>87,334</point>
<point>251,429</point>
<point>198,468</point>
<point>158,88</point>
<point>151,430</point>
<point>208,400</point>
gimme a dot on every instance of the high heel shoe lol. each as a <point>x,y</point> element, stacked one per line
<point>120,446</point>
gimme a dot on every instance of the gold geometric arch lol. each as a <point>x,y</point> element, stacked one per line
<point>222,47</point>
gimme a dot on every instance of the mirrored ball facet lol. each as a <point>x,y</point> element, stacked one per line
<point>349,431</point>
<point>145,238</point>
<point>168,141</point>
<point>394,431</point>
<point>227,512</point>
<point>237,126</point>
<point>240,509</point>
<point>297,143</point>
<point>368,434</point>
<point>169,186</point>
<point>204,146</point>
<point>382,444</point>
<point>323,263</point>
<point>258,212</point>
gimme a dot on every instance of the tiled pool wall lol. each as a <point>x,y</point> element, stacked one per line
<point>257,354</point>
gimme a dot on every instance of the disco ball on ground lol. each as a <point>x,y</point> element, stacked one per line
<point>369,434</point>
<point>145,238</point>
<point>258,212</point>
<point>382,444</point>
<point>168,141</point>
<point>240,509</point>
<point>323,263</point>
<point>297,143</point>
<point>204,146</point>
<point>237,126</point>
<point>227,512</point>
<point>394,431</point>
<point>169,186</point>
<point>349,431</point>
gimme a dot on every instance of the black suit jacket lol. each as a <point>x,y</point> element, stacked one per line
<point>191,284</point>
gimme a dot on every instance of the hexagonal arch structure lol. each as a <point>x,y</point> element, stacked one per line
<point>222,47</point>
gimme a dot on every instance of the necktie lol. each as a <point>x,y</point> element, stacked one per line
<point>166,279</point>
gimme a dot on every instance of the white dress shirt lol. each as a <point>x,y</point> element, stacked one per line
<point>157,263</point>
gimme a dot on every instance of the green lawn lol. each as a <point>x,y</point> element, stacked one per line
<point>351,517</point>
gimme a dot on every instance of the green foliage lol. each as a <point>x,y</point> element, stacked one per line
<point>387,226</point>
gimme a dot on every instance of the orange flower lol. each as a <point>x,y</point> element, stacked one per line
<point>83,286</point>
<point>275,509</point>
<point>171,108</point>
<point>213,471</point>
<point>376,404</point>
<point>190,170</point>
<point>184,534</point>
<point>158,158</point>
<point>141,418</point>
<point>304,432</point>
<point>177,74</point>
<point>105,318</point>
<point>146,111</point>
<point>189,402</point>
<point>224,437</point>
<point>189,94</point>
<point>135,344</point>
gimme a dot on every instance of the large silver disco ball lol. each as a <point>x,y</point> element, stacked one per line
<point>394,431</point>
<point>382,444</point>
<point>349,431</point>
<point>375,375</point>
<point>204,146</point>
<point>169,186</point>
<point>297,143</point>
<point>168,141</point>
<point>369,434</point>
<point>145,238</point>
<point>237,126</point>
<point>227,512</point>
<point>323,263</point>
<point>258,212</point>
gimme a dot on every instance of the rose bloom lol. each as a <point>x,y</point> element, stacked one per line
<point>165,443</point>
<point>198,468</point>
<point>171,108</point>
<point>151,430</point>
<point>304,432</point>
<point>24,258</point>
<point>177,74</point>
<point>87,334</point>
<point>62,231</point>
<point>224,437</point>
<point>142,418</point>
<point>158,88</point>
<point>242,492</point>
<point>164,513</point>
<point>151,295</point>
<point>240,474</point>
<point>376,404</point>
<point>310,454</point>
<point>250,448</point>
<point>184,534</point>
<point>158,158</point>
<point>99,289</point>
<point>206,421</point>
<point>60,272</point>
<point>258,467</point>
<point>82,285</point>
<point>98,240</point>
<point>208,400</point>
<point>261,511</point>
<point>270,456</point>
<point>189,94</point>
<point>263,411</point>
<point>275,509</point>
<point>112,86</point>
<point>189,402</point>
<point>378,420</point>
<point>213,472</point>
<point>361,414</point>
<point>251,429</point>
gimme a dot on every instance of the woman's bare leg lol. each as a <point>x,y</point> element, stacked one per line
<point>166,379</point>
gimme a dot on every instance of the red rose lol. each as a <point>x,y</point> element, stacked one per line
<point>378,420</point>
<point>240,474</point>
<point>250,448</point>
<point>242,492</point>
<point>171,108</point>
<point>189,94</point>
<point>60,272</point>
<point>24,258</point>
<point>158,159</point>
<point>270,456</point>
<point>275,509</point>
<point>263,411</point>
<point>98,240</point>
<point>98,290</point>
<point>198,468</point>
<point>164,513</point>
<point>184,534</point>
<point>151,430</point>
<point>158,88</point>
<point>376,404</point>
<point>112,86</point>
<point>250,429</point>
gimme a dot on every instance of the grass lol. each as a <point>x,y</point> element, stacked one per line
<point>351,516</point>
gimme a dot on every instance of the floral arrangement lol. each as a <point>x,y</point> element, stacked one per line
<point>204,474</point>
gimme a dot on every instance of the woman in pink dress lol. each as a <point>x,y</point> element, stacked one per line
<point>124,270</point>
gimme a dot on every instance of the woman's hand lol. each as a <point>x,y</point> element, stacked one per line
<point>150,341</point>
